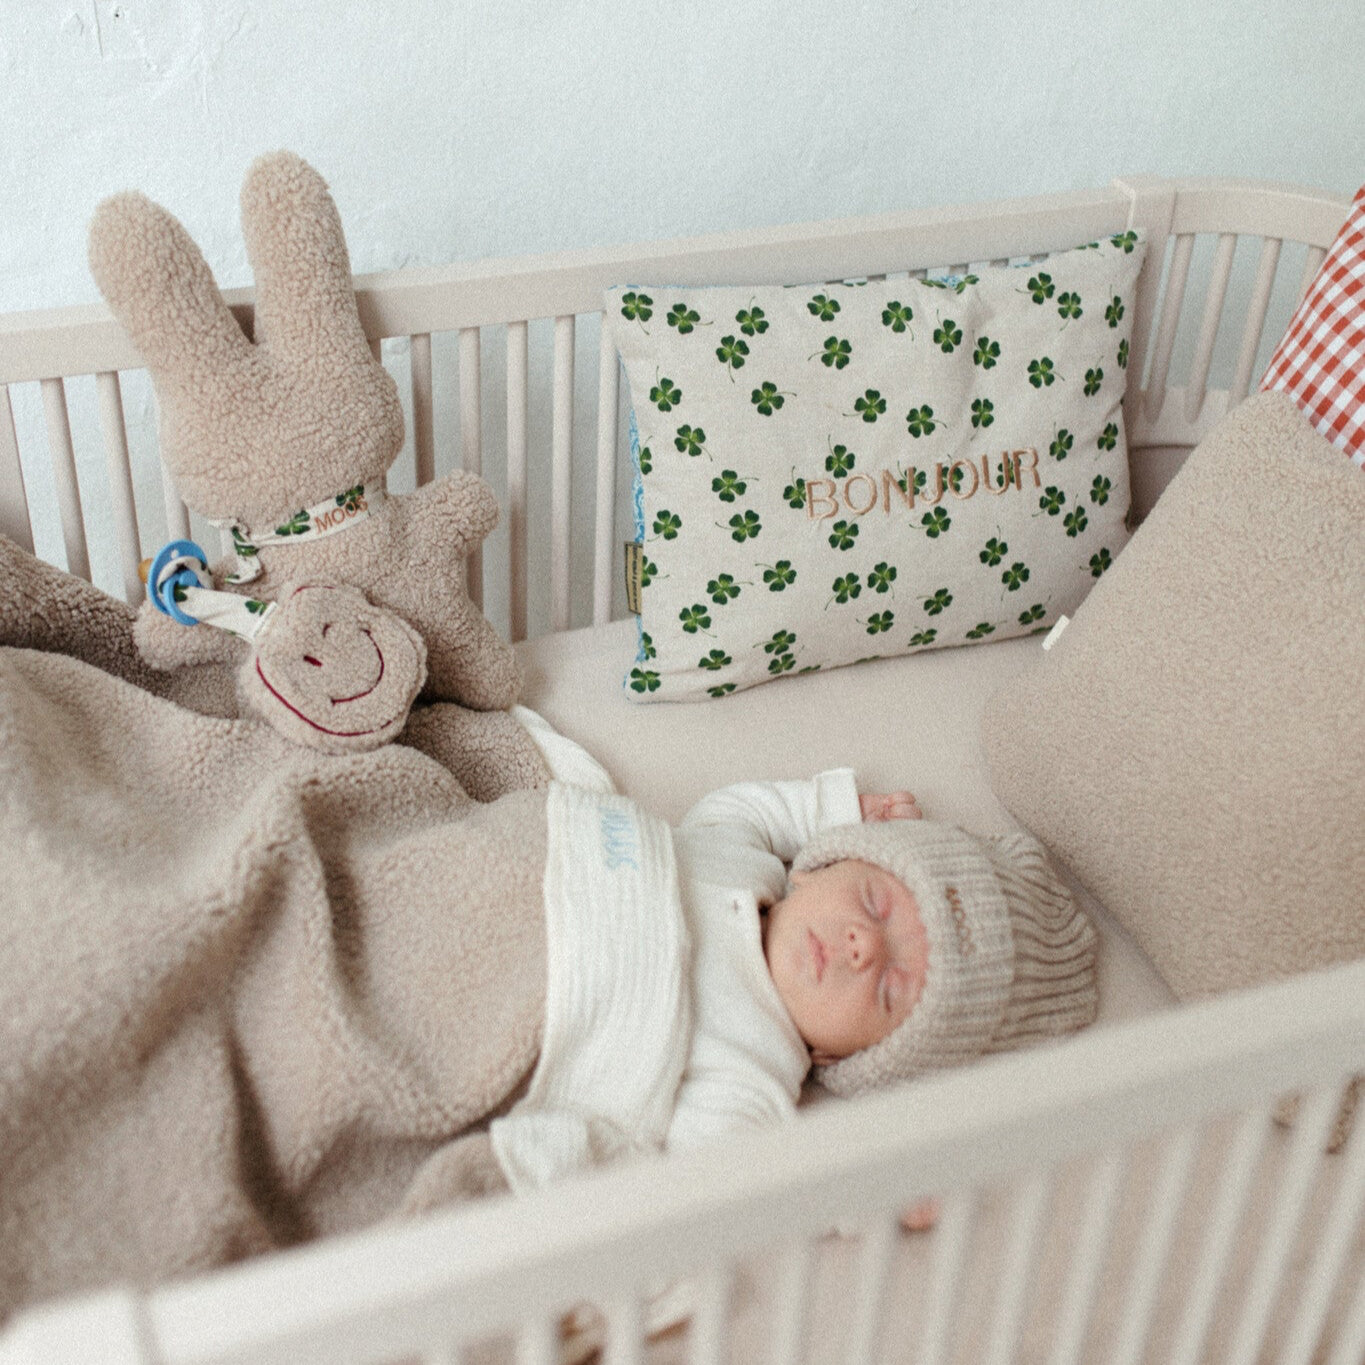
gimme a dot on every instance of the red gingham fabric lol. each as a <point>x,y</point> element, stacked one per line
<point>1320,362</point>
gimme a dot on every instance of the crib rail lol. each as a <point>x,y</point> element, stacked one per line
<point>514,1268</point>
<point>505,371</point>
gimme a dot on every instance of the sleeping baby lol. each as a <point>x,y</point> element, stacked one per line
<point>694,981</point>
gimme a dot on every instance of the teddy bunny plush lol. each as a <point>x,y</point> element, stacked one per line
<point>284,438</point>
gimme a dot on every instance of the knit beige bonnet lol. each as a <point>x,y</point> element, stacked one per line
<point>1011,956</point>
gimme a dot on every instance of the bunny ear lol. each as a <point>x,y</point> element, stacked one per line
<point>160,288</point>
<point>305,304</point>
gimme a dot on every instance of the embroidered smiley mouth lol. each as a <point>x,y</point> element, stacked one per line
<point>333,701</point>
<point>379,654</point>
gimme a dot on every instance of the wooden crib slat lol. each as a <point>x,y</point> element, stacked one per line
<point>1087,1258</point>
<point>951,1236</point>
<point>14,518</point>
<point>625,1333</point>
<point>1312,262</point>
<point>63,457</point>
<point>561,474</point>
<point>1196,386</point>
<point>471,439</point>
<point>709,1330</point>
<point>1140,1298</point>
<point>1170,322</point>
<point>1311,1129</point>
<point>423,431</point>
<point>120,483</point>
<point>1315,1290</point>
<point>538,1342</point>
<point>791,1305</point>
<point>1350,1348</point>
<point>177,514</point>
<point>1230,1203</point>
<point>874,1274</point>
<point>608,396</point>
<point>1021,1259</point>
<point>516,477</point>
<point>1254,327</point>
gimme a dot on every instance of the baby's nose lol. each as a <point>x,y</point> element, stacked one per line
<point>863,944</point>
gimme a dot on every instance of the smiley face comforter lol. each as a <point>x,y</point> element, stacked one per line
<point>252,993</point>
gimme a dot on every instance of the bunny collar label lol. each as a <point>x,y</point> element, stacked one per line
<point>308,523</point>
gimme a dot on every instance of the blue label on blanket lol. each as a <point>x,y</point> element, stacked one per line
<point>620,839</point>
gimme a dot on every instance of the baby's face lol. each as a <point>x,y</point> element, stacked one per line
<point>847,952</point>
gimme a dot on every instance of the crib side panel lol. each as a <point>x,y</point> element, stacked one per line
<point>1124,1196</point>
<point>504,369</point>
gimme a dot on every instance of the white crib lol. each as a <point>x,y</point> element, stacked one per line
<point>1124,1197</point>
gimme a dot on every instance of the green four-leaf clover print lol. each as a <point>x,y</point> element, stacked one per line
<point>924,637</point>
<point>870,406</point>
<point>690,440</point>
<point>881,578</point>
<point>1093,380</point>
<point>840,461</point>
<point>880,621</point>
<point>296,525</point>
<point>780,643</point>
<point>1035,613</point>
<point>731,353</point>
<point>745,526</point>
<point>897,316</point>
<point>847,587</point>
<point>837,353</point>
<point>823,307</point>
<point>1041,288</point>
<point>716,659</point>
<point>1100,489</point>
<point>779,576</point>
<point>1069,305</point>
<point>1113,315</point>
<point>1100,561</point>
<point>1075,522</point>
<point>644,680</point>
<point>695,618</point>
<point>637,307</point>
<point>920,421</point>
<point>947,336</point>
<point>794,494</point>
<point>752,321</point>
<point>1061,444</point>
<point>939,602</point>
<point>994,552</point>
<point>728,486</point>
<point>667,524</point>
<point>1041,372</point>
<point>723,589</point>
<point>665,395</point>
<point>767,398</point>
<point>987,353</point>
<point>1108,438</point>
<point>843,534</point>
<point>980,631</point>
<point>1015,576</point>
<point>983,412</point>
<point>935,523</point>
<point>683,318</point>
<point>1052,500</point>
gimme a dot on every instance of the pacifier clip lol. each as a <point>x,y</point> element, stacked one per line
<point>179,586</point>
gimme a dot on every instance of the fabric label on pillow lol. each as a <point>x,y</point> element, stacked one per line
<point>830,473</point>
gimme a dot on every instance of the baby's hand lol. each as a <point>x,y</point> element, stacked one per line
<point>892,806</point>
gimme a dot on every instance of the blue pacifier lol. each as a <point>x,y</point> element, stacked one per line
<point>166,575</point>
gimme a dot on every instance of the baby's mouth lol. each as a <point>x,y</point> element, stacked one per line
<point>819,955</point>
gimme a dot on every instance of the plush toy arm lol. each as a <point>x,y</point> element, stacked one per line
<point>166,645</point>
<point>457,512</point>
<point>489,752</point>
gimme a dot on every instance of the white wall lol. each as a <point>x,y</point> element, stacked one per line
<point>457,128</point>
<point>453,129</point>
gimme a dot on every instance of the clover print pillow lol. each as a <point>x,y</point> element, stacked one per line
<point>831,473</point>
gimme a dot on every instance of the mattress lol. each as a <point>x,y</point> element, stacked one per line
<point>911,722</point>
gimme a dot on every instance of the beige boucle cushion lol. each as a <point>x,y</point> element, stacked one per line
<point>1194,744</point>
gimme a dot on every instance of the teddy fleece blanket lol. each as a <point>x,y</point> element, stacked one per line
<point>249,994</point>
